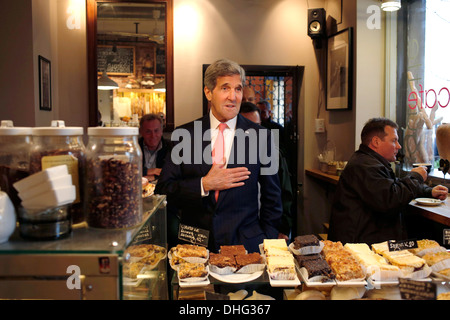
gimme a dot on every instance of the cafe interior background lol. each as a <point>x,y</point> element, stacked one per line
<point>382,48</point>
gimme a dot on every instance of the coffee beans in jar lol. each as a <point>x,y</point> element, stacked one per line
<point>113,178</point>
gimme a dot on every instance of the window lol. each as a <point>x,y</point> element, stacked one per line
<point>423,76</point>
<point>437,67</point>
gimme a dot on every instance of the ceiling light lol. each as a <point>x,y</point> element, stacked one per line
<point>391,5</point>
<point>105,83</point>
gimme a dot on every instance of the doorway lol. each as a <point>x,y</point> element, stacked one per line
<point>281,86</point>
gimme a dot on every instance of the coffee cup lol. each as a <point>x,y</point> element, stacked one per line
<point>427,165</point>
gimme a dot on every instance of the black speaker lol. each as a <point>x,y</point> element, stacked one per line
<point>316,23</point>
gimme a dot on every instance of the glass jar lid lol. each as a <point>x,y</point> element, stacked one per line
<point>58,128</point>
<point>7,129</point>
<point>113,131</point>
<point>57,131</point>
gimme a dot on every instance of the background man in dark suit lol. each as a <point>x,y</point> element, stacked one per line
<point>190,179</point>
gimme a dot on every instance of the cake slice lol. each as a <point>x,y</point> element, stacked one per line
<point>306,241</point>
<point>247,259</point>
<point>318,267</point>
<point>275,243</point>
<point>281,264</point>
<point>233,250</point>
<point>222,260</point>
<point>192,270</point>
<point>433,258</point>
<point>423,245</point>
<point>189,250</point>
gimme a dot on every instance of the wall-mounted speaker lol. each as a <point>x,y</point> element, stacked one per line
<point>316,23</point>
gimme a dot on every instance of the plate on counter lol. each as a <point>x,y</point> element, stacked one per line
<point>284,283</point>
<point>237,277</point>
<point>428,201</point>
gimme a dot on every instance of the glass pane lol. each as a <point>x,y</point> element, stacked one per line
<point>131,56</point>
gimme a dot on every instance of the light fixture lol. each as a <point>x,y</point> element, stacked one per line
<point>391,5</point>
<point>160,86</point>
<point>105,83</point>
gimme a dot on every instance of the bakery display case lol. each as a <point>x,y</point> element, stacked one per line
<point>91,263</point>
<point>313,269</point>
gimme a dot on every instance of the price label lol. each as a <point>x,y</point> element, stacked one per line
<point>395,245</point>
<point>446,237</point>
<point>193,235</point>
<point>417,290</point>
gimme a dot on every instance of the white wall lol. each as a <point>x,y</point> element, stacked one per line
<point>370,66</point>
<point>248,31</point>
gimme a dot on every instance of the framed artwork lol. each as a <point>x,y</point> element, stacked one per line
<point>340,70</point>
<point>45,84</point>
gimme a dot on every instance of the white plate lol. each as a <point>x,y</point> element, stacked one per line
<point>284,283</point>
<point>428,201</point>
<point>352,283</point>
<point>237,277</point>
<point>188,284</point>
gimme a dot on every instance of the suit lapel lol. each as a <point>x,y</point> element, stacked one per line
<point>206,141</point>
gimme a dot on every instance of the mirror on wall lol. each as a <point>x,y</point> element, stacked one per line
<point>130,61</point>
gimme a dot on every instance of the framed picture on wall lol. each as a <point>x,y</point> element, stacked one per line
<point>340,70</point>
<point>45,85</point>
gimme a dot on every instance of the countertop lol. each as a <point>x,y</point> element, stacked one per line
<point>439,213</point>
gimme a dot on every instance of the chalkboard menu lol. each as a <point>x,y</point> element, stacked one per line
<point>115,60</point>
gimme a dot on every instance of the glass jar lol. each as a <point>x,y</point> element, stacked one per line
<point>15,145</point>
<point>53,146</point>
<point>113,177</point>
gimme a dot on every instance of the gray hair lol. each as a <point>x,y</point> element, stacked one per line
<point>150,117</point>
<point>222,68</point>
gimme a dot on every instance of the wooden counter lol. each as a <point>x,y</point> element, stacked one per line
<point>322,176</point>
<point>440,213</point>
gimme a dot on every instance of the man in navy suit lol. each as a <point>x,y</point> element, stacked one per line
<point>190,179</point>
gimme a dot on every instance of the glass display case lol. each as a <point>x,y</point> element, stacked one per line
<point>91,263</point>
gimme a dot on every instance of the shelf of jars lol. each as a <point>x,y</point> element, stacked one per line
<point>90,263</point>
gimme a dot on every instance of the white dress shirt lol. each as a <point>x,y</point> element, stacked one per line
<point>228,136</point>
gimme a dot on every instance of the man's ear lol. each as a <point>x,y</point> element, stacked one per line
<point>375,142</point>
<point>208,93</point>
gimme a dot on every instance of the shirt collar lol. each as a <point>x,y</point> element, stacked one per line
<point>215,123</point>
<point>366,149</point>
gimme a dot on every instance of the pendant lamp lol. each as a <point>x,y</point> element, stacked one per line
<point>391,5</point>
<point>105,83</point>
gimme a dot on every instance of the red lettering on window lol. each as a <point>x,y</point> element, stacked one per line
<point>412,100</point>
<point>448,100</point>
<point>426,98</point>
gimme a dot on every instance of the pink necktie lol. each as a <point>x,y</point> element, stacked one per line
<point>219,150</point>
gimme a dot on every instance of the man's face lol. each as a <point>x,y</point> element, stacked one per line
<point>252,116</point>
<point>151,131</point>
<point>388,146</point>
<point>226,97</point>
<point>265,112</point>
<point>249,95</point>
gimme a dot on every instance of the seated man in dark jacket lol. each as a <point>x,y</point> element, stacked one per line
<point>154,146</point>
<point>369,199</point>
